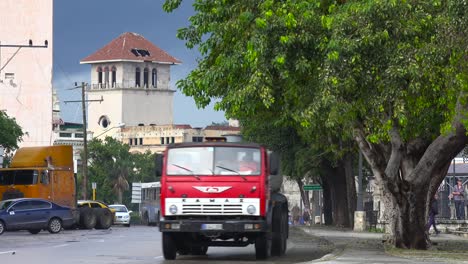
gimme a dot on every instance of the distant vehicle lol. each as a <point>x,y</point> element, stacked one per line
<point>47,172</point>
<point>122,214</point>
<point>104,215</point>
<point>33,215</point>
<point>150,203</point>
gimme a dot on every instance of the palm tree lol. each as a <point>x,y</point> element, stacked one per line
<point>119,174</point>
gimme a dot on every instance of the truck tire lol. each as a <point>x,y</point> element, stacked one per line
<point>87,218</point>
<point>103,217</point>
<point>168,246</point>
<point>279,234</point>
<point>262,246</point>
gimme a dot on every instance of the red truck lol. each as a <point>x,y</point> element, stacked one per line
<point>222,195</point>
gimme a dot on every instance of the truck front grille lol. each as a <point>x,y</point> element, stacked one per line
<point>214,209</point>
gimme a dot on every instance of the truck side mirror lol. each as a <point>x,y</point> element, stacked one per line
<point>274,162</point>
<point>158,165</point>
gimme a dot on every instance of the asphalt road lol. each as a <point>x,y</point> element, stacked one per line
<point>137,244</point>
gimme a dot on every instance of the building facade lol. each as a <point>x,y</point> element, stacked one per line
<point>26,72</point>
<point>156,138</point>
<point>130,77</point>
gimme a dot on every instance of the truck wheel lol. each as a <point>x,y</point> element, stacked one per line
<point>104,218</point>
<point>2,227</point>
<point>87,218</point>
<point>34,231</point>
<point>262,246</point>
<point>54,226</point>
<point>279,236</point>
<point>168,246</point>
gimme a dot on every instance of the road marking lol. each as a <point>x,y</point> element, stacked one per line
<point>8,252</point>
<point>158,257</point>
<point>63,245</point>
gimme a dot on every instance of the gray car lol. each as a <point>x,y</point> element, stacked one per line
<point>33,215</point>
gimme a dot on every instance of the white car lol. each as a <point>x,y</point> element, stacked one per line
<point>122,214</point>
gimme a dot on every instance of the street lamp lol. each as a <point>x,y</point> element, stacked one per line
<point>119,125</point>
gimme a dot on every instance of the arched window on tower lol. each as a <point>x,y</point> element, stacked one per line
<point>106,77</point>
<point>137,77</point>
<point>154,78</point>
<point>114,76</point>
<point>145,77</point>
<point>99,72</point>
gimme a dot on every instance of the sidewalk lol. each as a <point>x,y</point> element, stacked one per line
<point>365,247</point>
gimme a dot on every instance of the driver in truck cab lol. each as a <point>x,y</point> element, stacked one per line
<point>248,164</point>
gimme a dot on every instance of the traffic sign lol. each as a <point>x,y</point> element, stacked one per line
<point>312,187</point>
<point>136,192</point>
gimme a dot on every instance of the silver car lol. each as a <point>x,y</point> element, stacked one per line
<point>122,214</point>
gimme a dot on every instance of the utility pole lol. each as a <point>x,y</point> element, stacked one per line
<point>85,143</point>
<point>85,137</point>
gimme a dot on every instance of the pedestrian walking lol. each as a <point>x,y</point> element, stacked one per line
<point>296,213</point>
<point>433,211</point>
<point>306,217</point>
<point>459,199</point>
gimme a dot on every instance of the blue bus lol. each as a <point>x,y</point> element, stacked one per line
<point>150,203</point>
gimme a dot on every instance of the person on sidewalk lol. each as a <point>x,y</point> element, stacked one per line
<point>296,213</point>
<point>459,199</point>
<point>433,211</point>
<point>306,217</point>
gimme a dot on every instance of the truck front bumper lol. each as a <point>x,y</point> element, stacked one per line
<point>213,226</point>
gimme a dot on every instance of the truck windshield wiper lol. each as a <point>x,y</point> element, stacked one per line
<point>186,169</point>
<point>228,169</point>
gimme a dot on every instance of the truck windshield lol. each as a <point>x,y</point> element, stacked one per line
<point>18,177</point>
<point>213,161</point>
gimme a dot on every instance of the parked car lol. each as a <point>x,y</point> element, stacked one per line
<point>34,215</point>
<point>122,214</point>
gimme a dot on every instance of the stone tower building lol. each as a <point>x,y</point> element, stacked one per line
<point>131,76</point>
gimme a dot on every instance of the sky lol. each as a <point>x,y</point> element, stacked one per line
<point>82,27</point>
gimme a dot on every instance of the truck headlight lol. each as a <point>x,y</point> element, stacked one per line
<point>173,209</point>
<point>251,209</point>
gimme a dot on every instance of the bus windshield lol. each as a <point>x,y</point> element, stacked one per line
<point>213,161</point>
<point>18,177</point>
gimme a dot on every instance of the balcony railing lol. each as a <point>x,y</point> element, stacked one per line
<point>128,85</point>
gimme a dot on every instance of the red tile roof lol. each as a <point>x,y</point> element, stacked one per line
<point>128,46</point>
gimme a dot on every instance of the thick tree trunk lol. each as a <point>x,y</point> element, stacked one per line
<point>406,219</point>
<point>304,196</point>
<point>350,187</point>
<point>327,202</point>
<point>336,179</point>
<point>409,174</point>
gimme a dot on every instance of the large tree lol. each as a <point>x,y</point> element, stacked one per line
<point>113,168</point>
<point>393,74</point>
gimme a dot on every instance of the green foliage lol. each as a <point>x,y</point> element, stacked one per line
<point>113,168</point>
<point>331,66</point>
<point>10,132</point>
